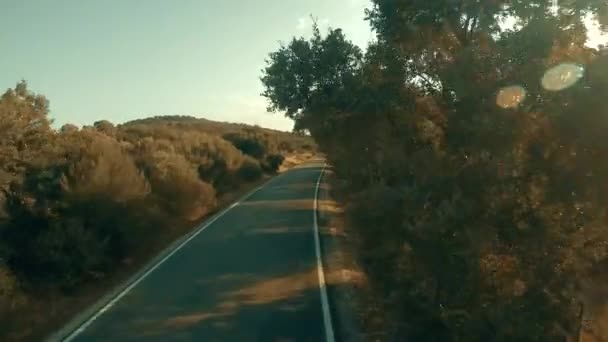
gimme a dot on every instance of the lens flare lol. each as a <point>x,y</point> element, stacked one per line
<point>511,96</point>
<point>562,76</point>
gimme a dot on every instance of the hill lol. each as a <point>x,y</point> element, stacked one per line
<point>81,208</point>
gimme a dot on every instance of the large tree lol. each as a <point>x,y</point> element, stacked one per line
<point>479,147</point>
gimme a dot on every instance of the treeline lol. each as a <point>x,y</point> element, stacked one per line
<point>475,159</point>
<point>76,203</point>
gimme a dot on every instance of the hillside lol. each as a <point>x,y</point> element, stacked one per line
<point>189,123</point>
<point>202,123</point>
<point>81,208</point>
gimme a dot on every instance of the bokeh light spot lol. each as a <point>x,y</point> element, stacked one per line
<point>511,96</point>
<point>562,76</point>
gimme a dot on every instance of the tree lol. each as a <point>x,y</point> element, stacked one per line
<point>306,70</point>
<point>488,199</point>
<point>105,126</point>
<point>68,128</point>
<point>24,134</point>
<point>23,124</point>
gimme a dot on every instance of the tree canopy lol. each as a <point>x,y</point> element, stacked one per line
<point>474,160</point>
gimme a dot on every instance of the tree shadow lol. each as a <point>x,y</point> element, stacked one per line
<point>250,276</point>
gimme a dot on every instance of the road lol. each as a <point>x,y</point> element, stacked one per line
<point>250,275</point>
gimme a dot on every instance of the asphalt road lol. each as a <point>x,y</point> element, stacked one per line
<point>251,275</point>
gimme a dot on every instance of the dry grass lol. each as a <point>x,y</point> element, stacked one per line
<point>295,159</point>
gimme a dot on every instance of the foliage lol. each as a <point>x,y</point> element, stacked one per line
<point>472,216</point>
<point>76,203</point>
<point>178,188</point>
<point>248,145</point>
<point>273,162</point>
<point>73,218</point>
<point>250,170</point>
<point>105,126</point>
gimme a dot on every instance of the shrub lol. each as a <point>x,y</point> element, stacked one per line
<point>78,240</point>
<point>248,145</point>
<point>75,219</point>
<point>102,168</point>
<point>273,162</point>
<point>178,189</point>
<point>286,146</point>
<point>250,171</point>
<point>216,159</point>
<point>105,127</point>
<point>11,296</point>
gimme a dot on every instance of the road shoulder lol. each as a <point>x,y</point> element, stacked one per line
<point>345,282</point>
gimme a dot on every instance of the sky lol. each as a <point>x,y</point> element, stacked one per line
<point>125,59</point>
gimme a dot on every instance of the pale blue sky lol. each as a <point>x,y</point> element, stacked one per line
<point>126,59</point>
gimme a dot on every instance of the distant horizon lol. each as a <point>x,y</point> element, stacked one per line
<point>123,60</point>
<point>56,126</point>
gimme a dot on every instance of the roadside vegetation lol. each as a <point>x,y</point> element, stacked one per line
<point>79,204</point>
<point>474,159</point>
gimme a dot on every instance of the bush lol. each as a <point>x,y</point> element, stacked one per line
<point>216,159</point>
<point>307,147</point>
<point>76,219</point>
<point>79,242</point>
<point>178,189</point>
<point>11,296</point>
<point>248,145</point>
<point>286,146</point>
<point>250,171</point>
<point>273,162</point>
<point>100,167</point>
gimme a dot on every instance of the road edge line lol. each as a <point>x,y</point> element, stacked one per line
<point>77,325</point>
<point>327,322</point>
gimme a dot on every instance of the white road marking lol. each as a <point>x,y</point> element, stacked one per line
<point>112,302</point>
<point>329,329</point>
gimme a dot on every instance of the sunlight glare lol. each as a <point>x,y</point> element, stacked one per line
<point>511,96</point>
<point>562,76</point>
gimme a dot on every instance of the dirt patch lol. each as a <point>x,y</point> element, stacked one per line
<point>295,159</point>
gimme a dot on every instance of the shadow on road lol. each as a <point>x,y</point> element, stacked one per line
<point>251,276</point>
